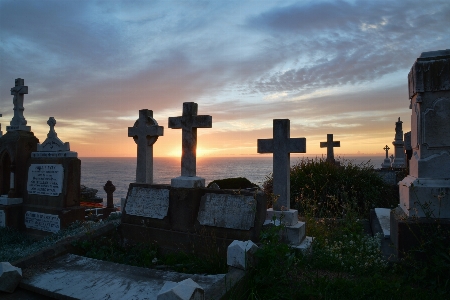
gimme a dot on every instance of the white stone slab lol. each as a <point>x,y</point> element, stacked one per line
<point>187,182</point>
<point>187,289</point>
<point>228,211</point>
<point>2,218</point>
<point>148,202</point>
<point>384,218</point>
<point>43,222</point>
<point>4,200</point>
<point>45,179</point>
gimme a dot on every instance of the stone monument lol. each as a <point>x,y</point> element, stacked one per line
<point>145,133</point>
<point>330,144</point>
<point>16,146</point>
<point>281,146</point>
<point>387,162</point>
<point>399,158</point>
<point>425,192</point>
<point>52,197</point>
<point>407,147</point>
<point>189,122</point>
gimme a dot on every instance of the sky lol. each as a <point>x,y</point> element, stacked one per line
<point>335,67</point>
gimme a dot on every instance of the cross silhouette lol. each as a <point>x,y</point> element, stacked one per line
<point>330,144</point>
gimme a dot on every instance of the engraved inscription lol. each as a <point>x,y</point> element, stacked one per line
<point>228,211</point>
<point>2,218</point>
<point>45,179</point>
<point>41,221</point>
<point>148,202</point>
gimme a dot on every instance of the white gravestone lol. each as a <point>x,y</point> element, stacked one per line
<point>2,218</point>
<point>148,202</point>
<point>188,123</point>
<point>45,179</point>
<point>18,121</point>
<point>227,211</point>
<point>53,147</point>
<point>41,221</point>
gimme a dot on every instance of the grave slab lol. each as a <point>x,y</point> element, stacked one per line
<point>187,289</point>
<point>4,200</point>
<point>148,202</point>
<point>384,218</point>
<point>76,277</point>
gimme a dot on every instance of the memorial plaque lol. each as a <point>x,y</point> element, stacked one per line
<point>228,211</point>
<point>41,221</point>
<point>45,179</point>
<point>2,218</point>
<point>148,202</point>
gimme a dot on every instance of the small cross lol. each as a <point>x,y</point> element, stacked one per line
<point>109,189</point>
<point>51,122</point>
<point>281,146</point>
<point>386,148</point>
<point>189,122</point>
<point>18,91</point>
<point>330,144</point>
<point>145,132</point>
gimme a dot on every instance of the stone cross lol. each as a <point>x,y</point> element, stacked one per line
<point>145,132</point>
<point>1,132</point>
<point>386,148</point>
<point>18,121</point>
<point>189,122</point>
<point>281,146</point>
<point>330,144</point>
<point>109,189</point>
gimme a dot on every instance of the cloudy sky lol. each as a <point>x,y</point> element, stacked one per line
<point>329,66</point>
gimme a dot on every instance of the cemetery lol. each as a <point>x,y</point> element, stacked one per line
<point>323,228</point>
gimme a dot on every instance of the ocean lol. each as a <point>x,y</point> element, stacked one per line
<point>95,171</point>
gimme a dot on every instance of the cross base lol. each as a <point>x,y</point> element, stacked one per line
<point>18,127</point>
<point>187,182</point>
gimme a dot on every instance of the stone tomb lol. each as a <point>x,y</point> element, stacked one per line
<point>425,192</point>
<point>52,197</point>
<point>191,219</point>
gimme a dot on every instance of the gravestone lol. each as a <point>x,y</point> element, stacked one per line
<point>425,192</point>
<point>16,146</point>
<point>281,146</point>
<point>387,162</point>
<point>109,189</point>
<point>188,123</point>
<point>330,144</point>
<point>399,158</point>
<point>145,133</point>
<point>53,195</point>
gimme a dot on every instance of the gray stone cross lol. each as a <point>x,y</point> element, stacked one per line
<point>386,148</point>
<point>281,146</point>
<point>189,122</point>
<point>18,121</point>
<point>330,144</point>
<point>145,132</point>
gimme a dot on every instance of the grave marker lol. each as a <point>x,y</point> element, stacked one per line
<point>18,121</point>
<point>387,162</point>
<point>147,202</point>
<point>330,144</point>
<point>399,158</point>
<point>189,122</point>
<point>145,133</point>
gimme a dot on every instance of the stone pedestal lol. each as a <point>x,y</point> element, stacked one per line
<point>399,158</point>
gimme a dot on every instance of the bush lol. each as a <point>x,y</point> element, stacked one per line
<point>234,183</point>
<point>323,189</point>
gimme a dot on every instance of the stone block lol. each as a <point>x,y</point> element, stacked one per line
<point>187,289</point>
<point>384,219</point>
<point>287,217</point>
<point>10,277</point>
<point>240,254</point>
<point>293,235</point>
<point>187,182</point>
<point>305,245</point>
<point>4,200</point>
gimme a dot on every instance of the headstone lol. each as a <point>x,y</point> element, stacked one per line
<point>387,162</point>
<point>281,146</point>
<point>240,254</point>
<point>189,122</point>
<point>147,202</point>
<point>145,133</point>
<point>424,193</point>
<point>399,158</point>
<point>53,195</point>
<point>10,277</point>
<point>187,289</point>
<point>18,121</point>
<point>330,144</point>
<point>109,188</point>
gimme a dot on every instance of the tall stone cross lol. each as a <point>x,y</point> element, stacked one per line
<point>330,144</point>
<point>281,146</point>
<point>18,121</point>
<point>145,132</point>
<point>386,148</point>
<point>189,122</point>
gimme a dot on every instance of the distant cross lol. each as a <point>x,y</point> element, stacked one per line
<point>281,146</point>
<point>109,189</point>
<point>51,122</point>
<point>145,132</point>
<point>1,132</point>
<point>330,144</point>
<point>189,122</point>
<point>18,91</point>
<point>386,148</point>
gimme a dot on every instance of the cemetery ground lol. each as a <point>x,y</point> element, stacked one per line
<point>344,262</point>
